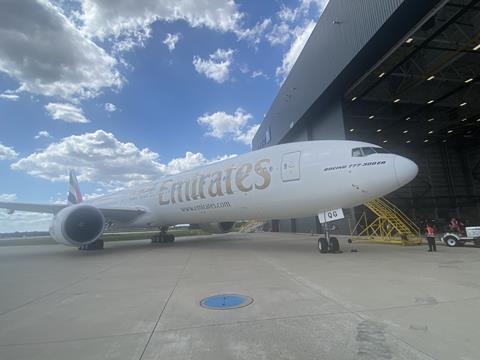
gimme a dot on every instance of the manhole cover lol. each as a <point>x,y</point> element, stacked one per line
<point>226,301</point>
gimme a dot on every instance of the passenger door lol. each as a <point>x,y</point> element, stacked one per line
<point>291,166</point>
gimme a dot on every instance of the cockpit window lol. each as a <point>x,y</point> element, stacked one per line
<point>379,150</point>
<point>365,151</point>
<point>368,151</point>
<point>357,152</point>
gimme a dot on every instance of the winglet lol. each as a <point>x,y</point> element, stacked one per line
<point>74,194</point>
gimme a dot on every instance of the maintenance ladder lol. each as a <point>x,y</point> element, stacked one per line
<point>390,226</point>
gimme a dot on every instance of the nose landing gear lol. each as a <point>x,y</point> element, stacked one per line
<point>329,246</point>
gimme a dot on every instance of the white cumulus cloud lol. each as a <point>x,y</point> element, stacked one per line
<point>7,153</point>
<point>247,135</point>
<point>101,157</point>
<point>222,125</point>
<point>66,112</point>
<point>9,96</point>
<point>43,134</point>
<point>48,55</point>
<point>254,34</point>
<point>258,73</point>
<point>290,14</point>
<point>110,107</point>
<point>217,66</point>
<point>190,161</point>
<point>126,19</point>
<point>8,197</point>
<point>171,40</point>
<point>280,34</point>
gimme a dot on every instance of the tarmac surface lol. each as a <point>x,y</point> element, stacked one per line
<point>136,300</point>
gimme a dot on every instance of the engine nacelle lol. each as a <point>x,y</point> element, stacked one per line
<point>217,228</point>
<point>77,225</point>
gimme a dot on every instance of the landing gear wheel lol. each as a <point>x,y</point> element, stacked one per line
<point>163,238</point>
<point>323,245</point>
<point>477,242</point>
<point>96,245</point>
<point>334,245</point>
<point>451,241</point>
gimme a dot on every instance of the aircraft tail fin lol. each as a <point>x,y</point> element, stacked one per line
<point>74,194</point>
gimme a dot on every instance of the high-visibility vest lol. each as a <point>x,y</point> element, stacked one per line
<point>430,231</point>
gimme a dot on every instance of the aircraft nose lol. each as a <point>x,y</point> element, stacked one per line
<point>405,170</point>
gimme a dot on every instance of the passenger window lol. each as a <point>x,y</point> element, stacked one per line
<point>357,152</point>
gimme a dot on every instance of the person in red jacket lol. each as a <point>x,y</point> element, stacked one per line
<point>457,226</point>
<point>431,238</point>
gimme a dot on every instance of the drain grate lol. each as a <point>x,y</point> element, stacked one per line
<point>226,302</point>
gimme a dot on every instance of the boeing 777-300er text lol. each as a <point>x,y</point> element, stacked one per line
<point>279,182</point>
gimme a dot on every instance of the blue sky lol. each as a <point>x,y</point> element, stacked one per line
<point>127,91</point>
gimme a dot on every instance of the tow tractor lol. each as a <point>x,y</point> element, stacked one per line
<point>455,239</point>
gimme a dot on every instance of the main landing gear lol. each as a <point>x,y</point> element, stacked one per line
<point>96,245</point>
<point>163,237</point>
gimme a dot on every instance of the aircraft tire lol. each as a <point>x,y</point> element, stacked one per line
<point>335,246</point>
<point>96,245</point>
<point>323,245</point>
<point>170,238</point>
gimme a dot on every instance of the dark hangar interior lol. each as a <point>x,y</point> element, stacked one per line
<point>402,74</point>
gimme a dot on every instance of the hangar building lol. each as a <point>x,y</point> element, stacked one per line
<point>403,74</point>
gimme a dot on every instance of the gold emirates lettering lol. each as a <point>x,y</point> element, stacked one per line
<point>216,184</point>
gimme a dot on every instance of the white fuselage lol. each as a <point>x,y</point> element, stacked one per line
<point>284,181</point>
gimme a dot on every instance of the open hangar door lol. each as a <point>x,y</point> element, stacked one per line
<point>422,100</point>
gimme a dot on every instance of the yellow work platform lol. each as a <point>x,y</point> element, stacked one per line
<point>391,225</point>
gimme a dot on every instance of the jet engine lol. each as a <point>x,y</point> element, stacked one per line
<point>77,225</point>
<point>217,228</point>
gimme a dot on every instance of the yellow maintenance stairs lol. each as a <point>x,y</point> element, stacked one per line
<point>390,226</point>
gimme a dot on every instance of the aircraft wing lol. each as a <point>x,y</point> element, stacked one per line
<point>121,215</point>
<point>38,208</point>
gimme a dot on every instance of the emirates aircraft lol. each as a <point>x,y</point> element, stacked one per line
<point>280,182</point>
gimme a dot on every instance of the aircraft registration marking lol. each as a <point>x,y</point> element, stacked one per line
<point>356,165</point>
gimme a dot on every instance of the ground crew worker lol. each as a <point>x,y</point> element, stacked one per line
<point>431,238</point>
<point>457,226</point>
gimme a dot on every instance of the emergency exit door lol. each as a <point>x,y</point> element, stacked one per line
<point>291,166</point>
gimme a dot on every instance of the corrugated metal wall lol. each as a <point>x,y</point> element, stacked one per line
<point>350,35</point>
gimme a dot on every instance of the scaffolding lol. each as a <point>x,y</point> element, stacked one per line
<point>390,226</point>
